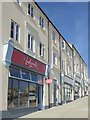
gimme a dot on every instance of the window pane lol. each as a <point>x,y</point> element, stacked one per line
<point>25,75</point>
<point>10,93</point>
<point>28,41</point>
<point>23,94</point>
<point>34,77</point>
<point>15,93</point>
<point>32,94</point>
<point>40,21</point>
<point>40,48</point>
<point>12,34</point>
<point>15,72</point>
<point>17,32</point>
<point>40,79</point>
<point>31,11</point>
<point>12,25</point>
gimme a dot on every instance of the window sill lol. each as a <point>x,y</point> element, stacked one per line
<point>43,29</point>
<point>33,18</point>
<point>29,50</point>
<point>54,43</point>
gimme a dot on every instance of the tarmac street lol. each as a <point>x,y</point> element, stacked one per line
<point>74,109</point>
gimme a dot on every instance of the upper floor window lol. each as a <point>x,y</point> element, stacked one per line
<point>30,42</point>
<point>63,45</point>
<point>67,69</point>
<point>14,33</point>
<point>41,22</point>
<point>63,64</point>
<point>54,59</point>
<point>30,10</point>
<point>41,50</point>
<point>53,36</point>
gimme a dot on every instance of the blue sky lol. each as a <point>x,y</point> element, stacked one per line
<point>71,19</point>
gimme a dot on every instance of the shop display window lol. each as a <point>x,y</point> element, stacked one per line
<point>23,93</point>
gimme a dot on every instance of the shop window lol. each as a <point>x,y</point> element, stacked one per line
<point>14,33</point>
<point>15,72</point>
<point>25,74</point>
<point>30,10</point>
<point>12,93</point>
<point>32,94</point>
<point>23,92</point>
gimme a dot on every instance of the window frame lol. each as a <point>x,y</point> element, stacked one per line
<point>41,50</point>
<point>15,33</point>
<point>30,10</point>
<point>41,22</point>
<point>30,42</point>
<point>54,59</point>
<point>63,44</point>
<point>54,36</point>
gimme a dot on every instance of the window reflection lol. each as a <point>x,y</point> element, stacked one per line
<point>15,93</point>
<point>40,79</point>
<point>15,72</point>
<point>23,94</point>
<point>9,93</point>
<point>32,94</point>
<point>34,77</point>
<point>25,74</point>
<point>12,93</point>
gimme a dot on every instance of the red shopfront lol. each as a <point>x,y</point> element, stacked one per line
<point>25,85</point>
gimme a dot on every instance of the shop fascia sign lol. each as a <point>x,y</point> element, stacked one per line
<point>7,53</point>
<point>22,59</point>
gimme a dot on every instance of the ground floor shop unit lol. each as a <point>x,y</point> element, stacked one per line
<point>25,87</point>
<point>67,89</point>
<point>77,88</point>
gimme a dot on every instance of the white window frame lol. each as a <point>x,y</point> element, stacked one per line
<point>30,42</point>
<point>54,58</point>
<point>42,49</point>
<point>41,22</point>
<point>53,36</point>
<point>29,11</point>
<point>14,30</point>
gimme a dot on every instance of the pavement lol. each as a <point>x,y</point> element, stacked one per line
<point>75,109</point>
